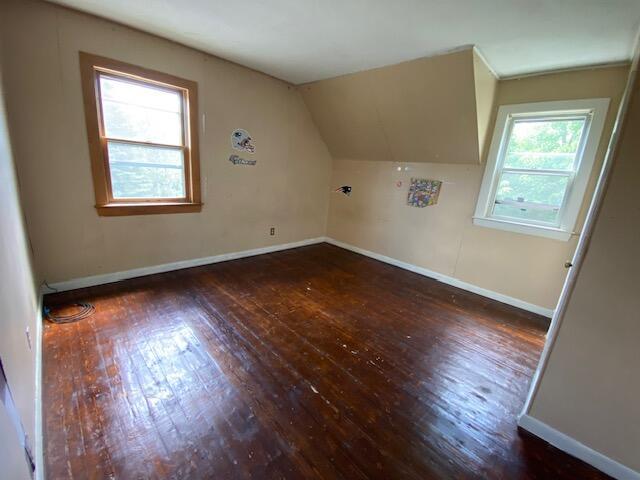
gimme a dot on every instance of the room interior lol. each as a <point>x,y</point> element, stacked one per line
<point>304,240</point>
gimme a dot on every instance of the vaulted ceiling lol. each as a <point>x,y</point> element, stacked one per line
<point>306,40</point>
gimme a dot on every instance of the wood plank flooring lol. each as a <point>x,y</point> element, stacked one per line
<point>313,363</point>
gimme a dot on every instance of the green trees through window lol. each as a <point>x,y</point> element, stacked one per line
<point>539,162</point>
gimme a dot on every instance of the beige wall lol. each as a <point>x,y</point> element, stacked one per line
<point>442,238</point>
<point>590,389</point>
<point>286,189</point>
<point>486,89</point>
<point>19,312</point>
<point>418,111</point>
<point>288,186</point>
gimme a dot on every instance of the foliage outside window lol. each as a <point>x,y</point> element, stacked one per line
<point>540,160</point>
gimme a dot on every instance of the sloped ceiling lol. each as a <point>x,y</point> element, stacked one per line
<point>307,40</point>
<point>433,109</point>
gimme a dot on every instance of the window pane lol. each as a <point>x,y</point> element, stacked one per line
<point>544,144</point>
<point>530,197</point>
<point>137,112</point>
<point>139,171</point>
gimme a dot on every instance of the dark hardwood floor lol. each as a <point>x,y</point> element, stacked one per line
<point>309,363</point>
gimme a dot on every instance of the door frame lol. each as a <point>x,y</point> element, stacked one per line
<point>586,234</point>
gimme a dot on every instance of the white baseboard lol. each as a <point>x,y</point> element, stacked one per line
<point>577,449</point>
<point>547,312</point>
<point>167,267</point>
<point>196,262</point>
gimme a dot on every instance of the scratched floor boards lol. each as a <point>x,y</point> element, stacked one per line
<point>312,363</point>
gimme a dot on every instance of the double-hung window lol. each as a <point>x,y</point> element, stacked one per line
<point>142,128</point>
<point>539,165</point>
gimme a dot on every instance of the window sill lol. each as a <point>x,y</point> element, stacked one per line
<point>123,209</point>
<point>540,231</point>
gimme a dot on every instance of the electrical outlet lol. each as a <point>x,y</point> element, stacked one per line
<point>272,231</point>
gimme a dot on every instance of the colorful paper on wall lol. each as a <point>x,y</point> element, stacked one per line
<point>423,192</point>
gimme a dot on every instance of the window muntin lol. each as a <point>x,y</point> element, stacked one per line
<point>538,166</point>
<point>143,138</point>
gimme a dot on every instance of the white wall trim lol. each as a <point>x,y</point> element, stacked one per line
<point>39,440</point>
<point>547,312</point>
<point>594,111</point>
<point>577,68</point>
<point>576,449</point>
<point>167,267</point>
<point>486,62</point>
<point>196,262</point>
<point>548,232</point>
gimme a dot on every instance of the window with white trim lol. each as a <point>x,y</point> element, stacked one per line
<point>539,165</point>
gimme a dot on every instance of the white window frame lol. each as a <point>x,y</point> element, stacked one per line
<point>595,110</point>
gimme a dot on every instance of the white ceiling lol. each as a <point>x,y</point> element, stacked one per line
<point>306,40</point>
